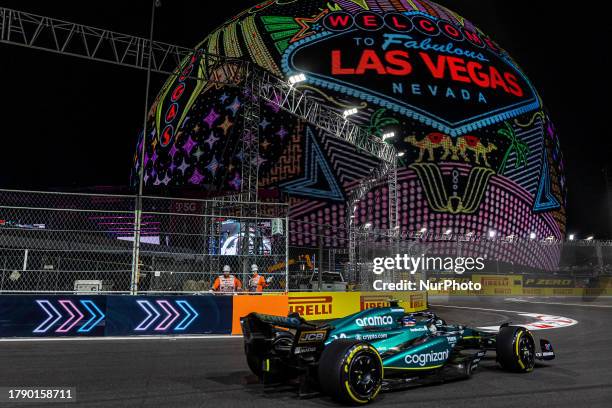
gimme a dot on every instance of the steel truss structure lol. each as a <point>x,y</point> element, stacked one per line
<point>62,37</point>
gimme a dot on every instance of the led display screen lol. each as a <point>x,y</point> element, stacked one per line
<point>480,151</point>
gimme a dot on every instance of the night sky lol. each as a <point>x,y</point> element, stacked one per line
<point>70,123</point>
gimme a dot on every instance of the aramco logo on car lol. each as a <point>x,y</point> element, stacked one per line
<point>311,305</point>
<point>374,321</point>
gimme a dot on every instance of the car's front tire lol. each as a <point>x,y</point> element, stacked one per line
<point>351,371</point>
<point>515,348</point>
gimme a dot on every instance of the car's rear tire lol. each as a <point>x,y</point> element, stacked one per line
<point>515,348</point>
<point>254,361</point>
<point>351,371</point>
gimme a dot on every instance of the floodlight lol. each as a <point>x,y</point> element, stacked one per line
<point>349,112</point>
<point>389,135</point>
<point>294,79</point>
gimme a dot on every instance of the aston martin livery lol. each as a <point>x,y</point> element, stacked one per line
<point>353,358</point>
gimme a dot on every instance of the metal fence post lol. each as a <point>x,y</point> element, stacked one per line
<point>286,253</point>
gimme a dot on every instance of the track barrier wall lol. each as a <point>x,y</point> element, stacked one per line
<point>524,285</point>
<point>117,315</point>
<point>121,315</point>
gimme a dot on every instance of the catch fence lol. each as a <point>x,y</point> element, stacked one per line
<point>73,243</point>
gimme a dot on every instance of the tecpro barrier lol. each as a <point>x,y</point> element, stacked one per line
<point>62,316</point>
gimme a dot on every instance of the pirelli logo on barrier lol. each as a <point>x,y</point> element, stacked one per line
<point>369,302</point>
<point>417,301</point>
<point>312,336</point>
<point>488,281</point>
<point>311,305</point>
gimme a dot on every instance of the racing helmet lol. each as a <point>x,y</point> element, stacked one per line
<point>227,269</point>
<point>408,321</point>
<point>254,268</point>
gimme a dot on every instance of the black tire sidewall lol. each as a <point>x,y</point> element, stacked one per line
<point>332,373</point>
<point>506,345</point>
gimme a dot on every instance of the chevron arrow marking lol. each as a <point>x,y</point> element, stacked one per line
<point>148,321</point>
<point>168,320</point>
<point>44,326</point>
<point>73,319</point>
<point>191,315</point>
<point>96,316</point>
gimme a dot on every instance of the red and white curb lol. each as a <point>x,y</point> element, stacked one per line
<point>541,322</point>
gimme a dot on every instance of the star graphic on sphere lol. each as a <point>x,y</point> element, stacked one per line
<point>264,124</point>
<point>154,157</point>
<point>146,177</point>
<point>196,178</point>
<point>282,132</point>
<point>189,145</point>
<point>154,143</point>
<point>211,118</point>
<point>260,160</point>
<point>265,144</point>
<point>234,106</point>
<point>223,97</point>
<point>172,167</point>
<point>197,128</point>
<point>226,125</point>
<point>184,166</point>
<point>166,180</point>
<point>236,182</point>
<point>240,155</point>
<point>156,182</point>
<point>153,172</point>
<point>213,166</point>
<point>173,151</point>
<point>198,153</point>
<point>306,25</point>
<point>211,140</point>
<point>146,159</point>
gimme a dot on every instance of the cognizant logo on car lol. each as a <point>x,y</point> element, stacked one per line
<point>374,321</point>
<point>422,359</point>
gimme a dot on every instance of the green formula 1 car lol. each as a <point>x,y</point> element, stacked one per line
<point>353,358</point>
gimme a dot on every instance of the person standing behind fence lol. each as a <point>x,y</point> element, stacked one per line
<point>257,283</point>
<point>227,283</point>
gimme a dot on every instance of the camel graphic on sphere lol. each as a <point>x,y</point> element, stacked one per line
<point>464,144</point>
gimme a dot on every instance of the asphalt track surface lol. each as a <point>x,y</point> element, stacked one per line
<point>213,373</point>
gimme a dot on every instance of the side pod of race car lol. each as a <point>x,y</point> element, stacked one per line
<point>353,358</point>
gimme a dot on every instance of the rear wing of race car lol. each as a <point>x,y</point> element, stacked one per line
<point>260,330</point>
<point>263,326</point>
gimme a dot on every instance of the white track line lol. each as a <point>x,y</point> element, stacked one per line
<point>195,337</point>
<point>557,303</point>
